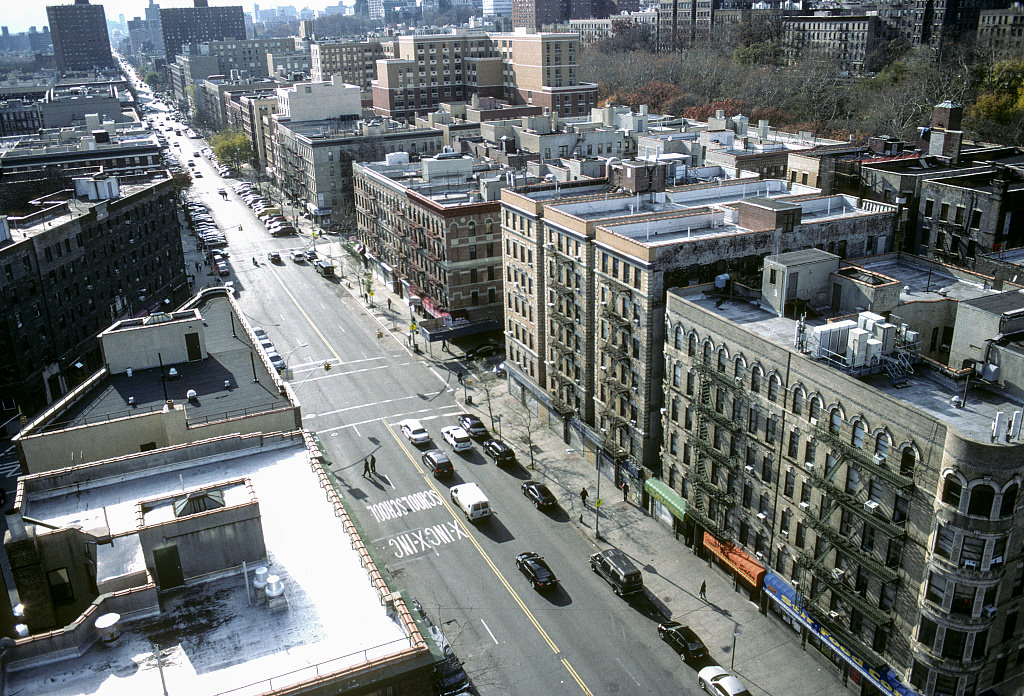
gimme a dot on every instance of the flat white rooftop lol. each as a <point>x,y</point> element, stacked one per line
<point>211,640</point>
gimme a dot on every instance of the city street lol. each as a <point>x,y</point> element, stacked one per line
<point>512,639</point>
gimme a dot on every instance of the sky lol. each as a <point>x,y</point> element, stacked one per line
<point>19,15</point>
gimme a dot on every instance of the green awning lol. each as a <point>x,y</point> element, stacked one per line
<point>668,497</point>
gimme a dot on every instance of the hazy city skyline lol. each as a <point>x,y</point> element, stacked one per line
<point>19,17</point>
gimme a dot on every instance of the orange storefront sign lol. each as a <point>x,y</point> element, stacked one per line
<point>746,567</point>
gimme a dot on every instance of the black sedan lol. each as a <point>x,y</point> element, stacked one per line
<point>472,425</point>
<point>536,570</point>
<point>540,494</point>
<point>683,640</point>
<point>499,452</point>
<point>274,257</point>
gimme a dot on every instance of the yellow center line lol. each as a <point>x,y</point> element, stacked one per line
<point>487,559</point>
<point>308,318</point>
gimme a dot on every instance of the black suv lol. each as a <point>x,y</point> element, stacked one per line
<point>499,452</point>
<point>438,462</point>
<point>618,571</point>
<point>683,640</point>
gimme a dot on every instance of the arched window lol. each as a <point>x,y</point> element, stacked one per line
<point>815,413</point>
<point>1009,501</point>
<point>908,461</point>
<point>798,401</point>
<point>489,226</point>
<point>721,359</point>
<point>857,439</point>
<point>707,353</point>
<point>471,227</point>
<point>773,388</point>
<point>980,503</point>
<point>755,379</point>
<point>882,445</point>
<point>679,338</point>
<point>691,346</point>
<point>951,491</point>
<point>739,368</point>
<point>835,421</point>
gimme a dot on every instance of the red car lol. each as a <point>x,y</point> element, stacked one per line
<point>222,269</point>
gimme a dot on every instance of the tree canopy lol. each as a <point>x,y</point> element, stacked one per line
<point>232,146</point>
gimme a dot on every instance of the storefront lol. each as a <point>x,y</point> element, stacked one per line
<point>874,679</point>
<point>665,504</point>
<point>746,570</point>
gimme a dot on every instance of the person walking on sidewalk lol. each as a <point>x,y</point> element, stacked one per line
<point>625,491</point>
<point>373,464</point>
<point>366,467</point>
<point>703,590</point>
<point>583,495</point>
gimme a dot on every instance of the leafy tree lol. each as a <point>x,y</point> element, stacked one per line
<point>232,146</point>
<point>998,112</point>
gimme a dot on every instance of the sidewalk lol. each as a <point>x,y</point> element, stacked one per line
<point>769,658</point>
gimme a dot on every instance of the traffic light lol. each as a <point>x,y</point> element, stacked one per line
<point>327,366</point>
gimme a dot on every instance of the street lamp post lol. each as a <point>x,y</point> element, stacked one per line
<point>497,421</point>
<point>736,632</point>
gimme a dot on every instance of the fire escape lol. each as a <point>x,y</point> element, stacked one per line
<point>838,580</point>
<point>563,338</point>
<point>615,369</point>
<point>705,451</point>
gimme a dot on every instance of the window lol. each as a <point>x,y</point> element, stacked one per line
<point>798,402</point>
<point>926,632</point>
<point>857,439</point>
<point>963,600</point>
<point>689,383</point>
<point>677,375</point>
<point>901,509</point>
<point>815,409</point>
<point>773,389</point>
<point>944,538</point>
<point>755,380</point>
<point>678,343</point>
<point>799,539</point>
<point>1009,501</point>
<point>981,500</point>
<point>790,484</point>
<point>936,590</point>
<point>794,443</point>
<point>691,346</point>
<point>952,648</point>
<point>835,421</point>
<point>951,490</point>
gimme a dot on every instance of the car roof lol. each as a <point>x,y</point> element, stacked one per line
<point>437,455</point>
<point>410,422</point>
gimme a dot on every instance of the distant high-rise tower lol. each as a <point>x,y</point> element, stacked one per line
<point>79,35</point>
<point>186,25</point>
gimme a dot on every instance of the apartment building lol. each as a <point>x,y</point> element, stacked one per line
<point>587,264</point>
<point>422,71</point>
<point>845,39</point>
<point>247,112</point>
<point>72,262</point>
<point>247,56</point>
<point>592,30</point>
<point>189,25</point>
<point>854,474</point>
<point>19,117</point>
<point>79,35</point>
<point>354,61</point>
<point>432,230</point>
<point>311,161</point>
<point>1002,29</point>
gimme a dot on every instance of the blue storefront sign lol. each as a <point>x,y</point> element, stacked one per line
<point>881,676</point>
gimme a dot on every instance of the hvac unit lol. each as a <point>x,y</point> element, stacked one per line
<point>970,564</point>
<point>761,516</point>
<point>871,506</point>
<point>805,506</point>
<point>809,466</point>
<point>880,459</point>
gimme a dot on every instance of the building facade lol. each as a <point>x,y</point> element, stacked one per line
<point>814,462</point>
<point>77,261</point>
<point>846,39</point>
<point>420,72</point>
<point>1002,29</point>
<point>586,272</point>
<point>198,24</point>
<point>354,61</point>
<point>79,35</point>
<point>432,227</point>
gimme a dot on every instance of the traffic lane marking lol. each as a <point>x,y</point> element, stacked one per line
<point>10,469</point>
<point>306,316</point>
<point>401,415</point>
<point>494,568</point>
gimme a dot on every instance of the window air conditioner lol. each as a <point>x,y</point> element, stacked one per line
<point>749,469</point>
<point>805,506</point>
<point>833,615</point>
<point>761,516</point>
<point>871,506</point>
<point>970,564</point>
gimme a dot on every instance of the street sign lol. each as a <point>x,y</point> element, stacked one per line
<point>598,503</point>
<point>412,326</point>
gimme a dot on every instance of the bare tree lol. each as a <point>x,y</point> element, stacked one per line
<point>525,422</point>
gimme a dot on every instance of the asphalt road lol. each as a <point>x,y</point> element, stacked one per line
<point>581,638</point>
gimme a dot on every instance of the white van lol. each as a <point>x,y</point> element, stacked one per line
<point>472,501</point>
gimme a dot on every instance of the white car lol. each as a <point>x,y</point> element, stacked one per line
<point>415,431</point>
<point>716,680</point>
<point>457,437</point>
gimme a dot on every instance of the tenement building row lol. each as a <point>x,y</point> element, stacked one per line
<point>844,436</point>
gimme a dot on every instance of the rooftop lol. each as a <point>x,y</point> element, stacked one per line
<point>926,389</point>
<point>229,361</point>
<point>211,639</point>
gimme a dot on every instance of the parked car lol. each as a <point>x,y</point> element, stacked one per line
<point>618,571</point>
<point>484,351</point>
<point>683,640</point>
<point>716,680</point>
<point>540,494</point>
<point>499,452</point>
<point>472,425</point>
<point>537,571</point>
<point>273,257</point>
<point>439,463</point>
<point>310,255</point>
<point>298,257</point>
<point>457,438</point>
<point>415,431</point>
<point>222,269</point>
